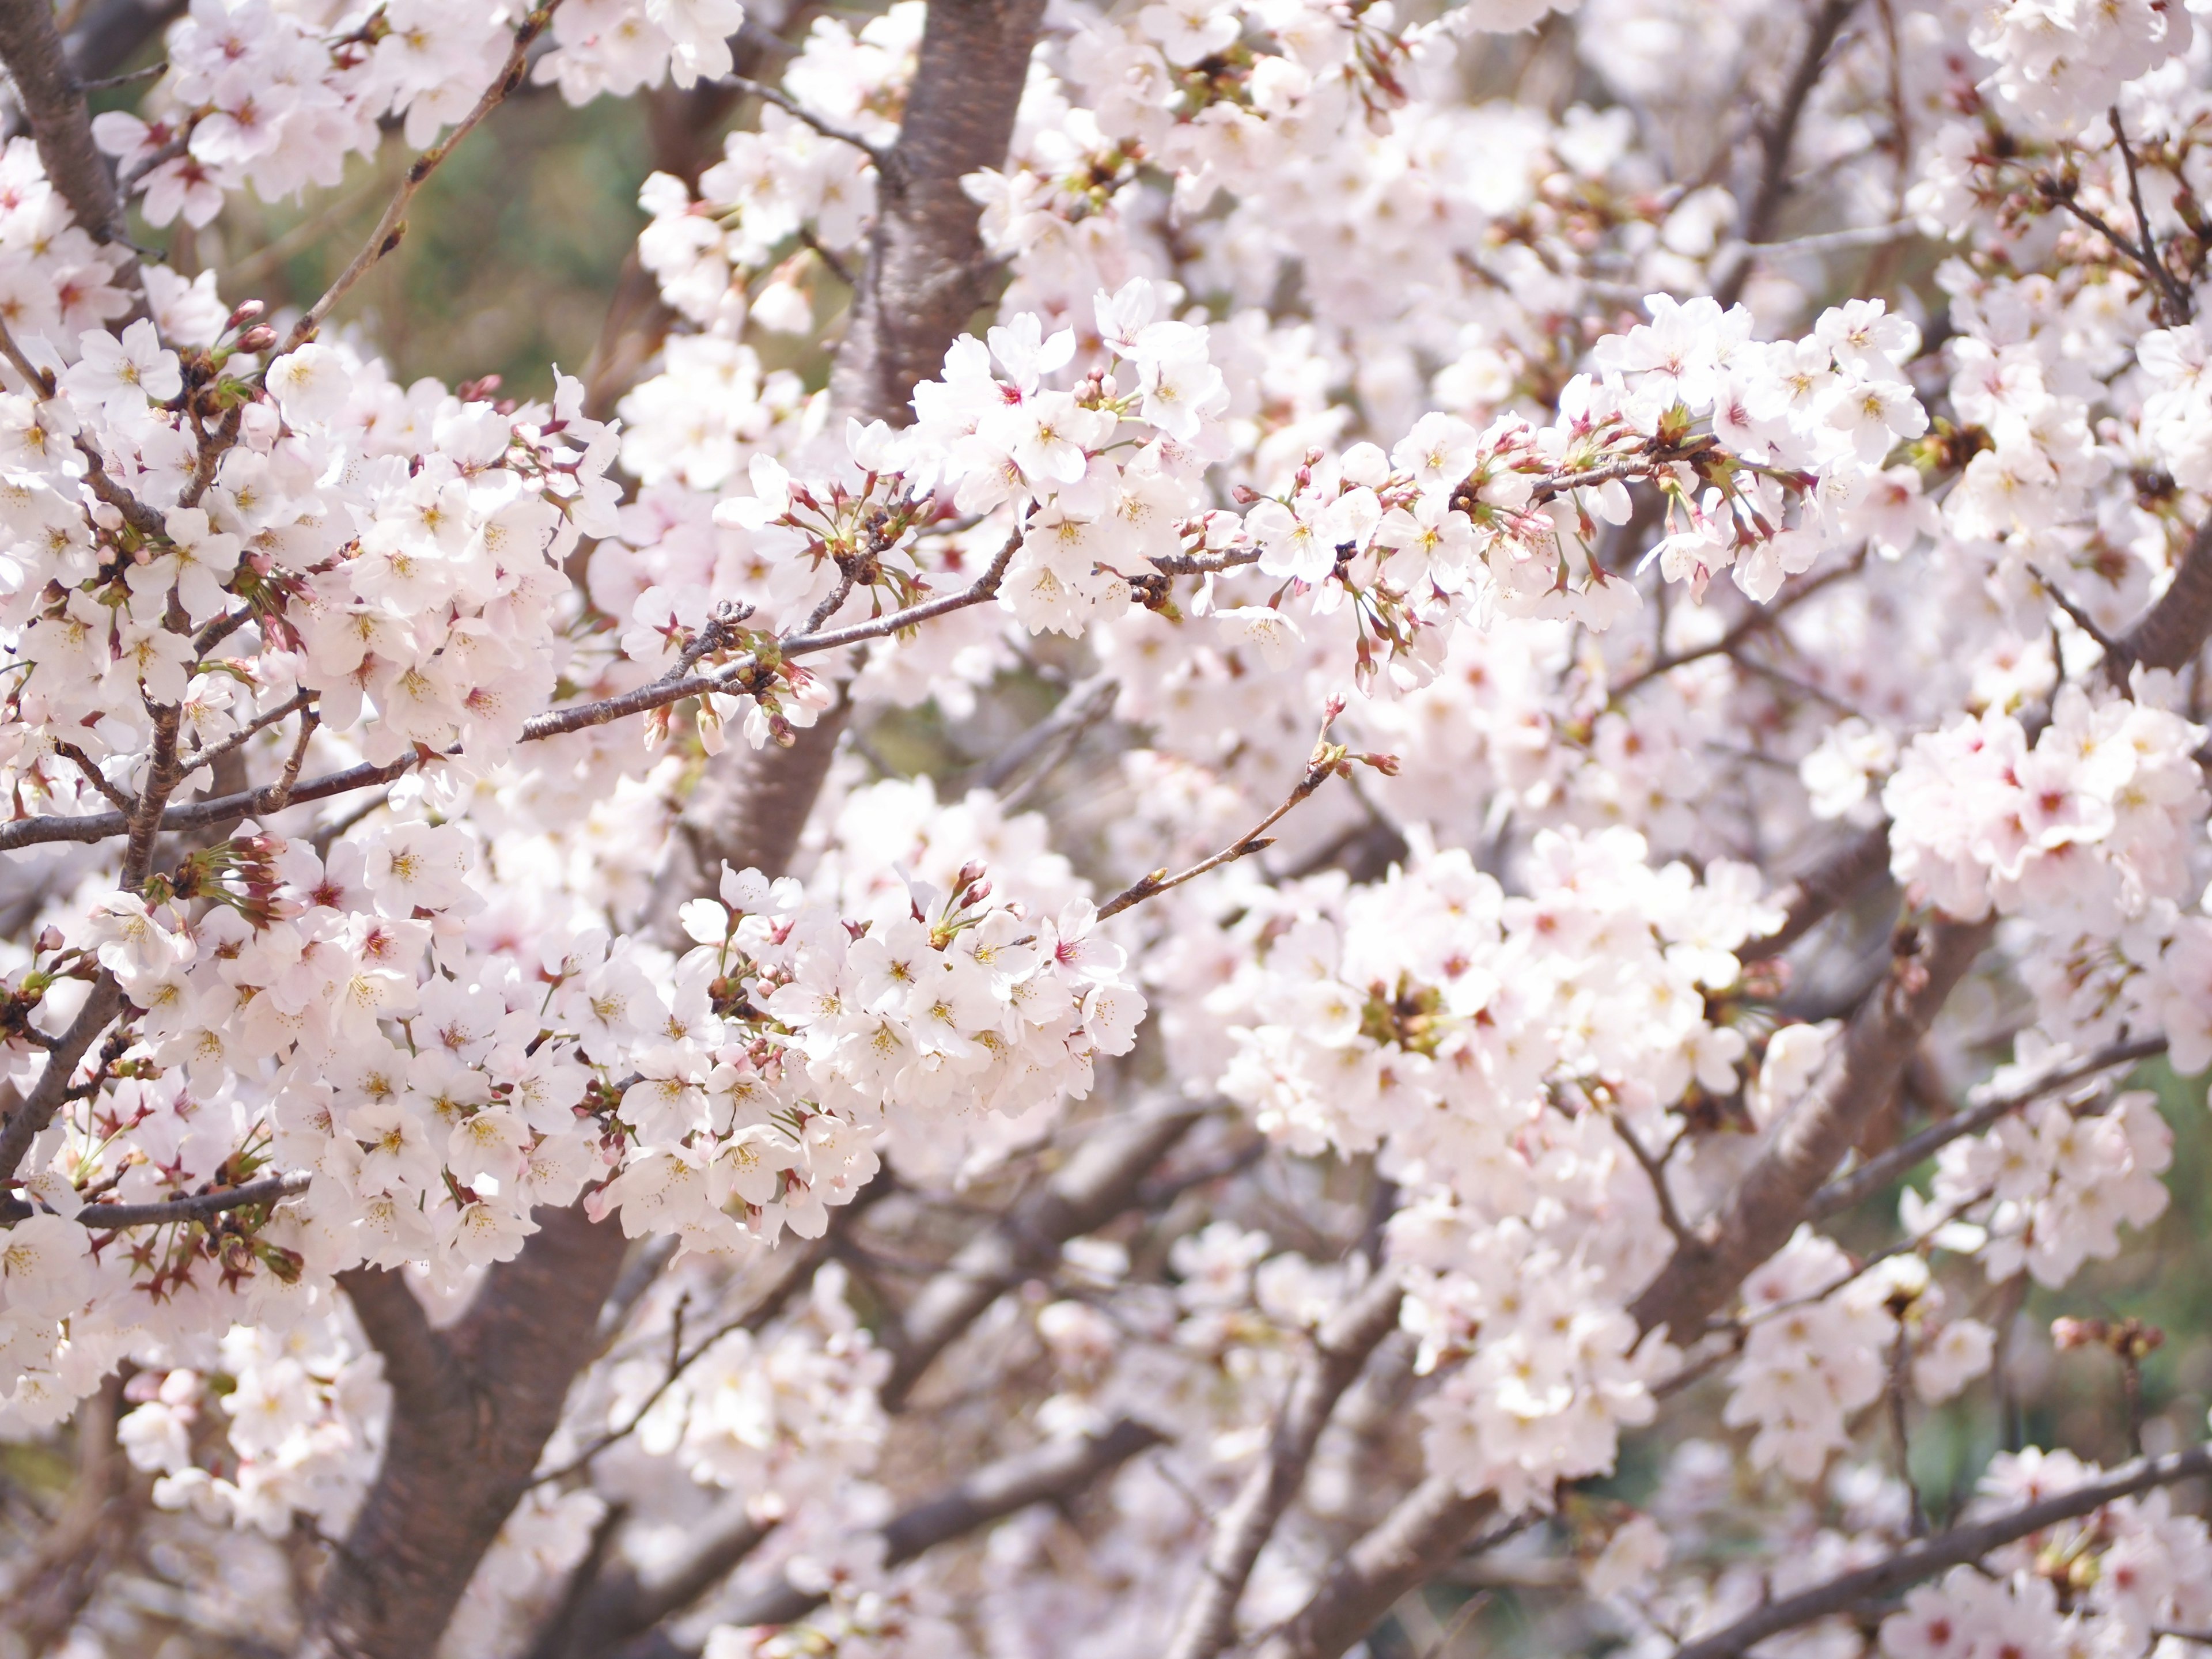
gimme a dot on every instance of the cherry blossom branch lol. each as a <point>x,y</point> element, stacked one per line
<point>2074,614</point>
<point>1925,1558</point>
<point>393,224</point>
<point>1814,897</point>
<point>196,1207</point>
<point>1877,1173</point>
<point>822,123</point>
<point>2171,631</point>
<point>1099,1181</point>
<point>1758,618</point>
<point>1421,1534</point>
<point>1057,1469</point>
<point>2177,297</point>
<point>238,739</point>
<point>2064,193</point>
<point>37,1109</point>
<point>473,1408</point>
<point>93,775</point>
<point>1340,1352</point>
<point>1427,1528</point>
<point>1778,138</point>
<point>797,1273</point>
<point>1328,759</point>
<point>61,123</point>
<point>1812,1138</point>
<point>555,722</point>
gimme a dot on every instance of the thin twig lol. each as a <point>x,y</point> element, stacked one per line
<point>1928,1557</point>
<point>1758,618</point>
<point>822,123</point>
<point>238,739</point>
<point>1254,839</point>
<point>101,83</point>
<point>2081,618</point>
<point>393,225</point>
<point>2176,296</point>
<point>1655,1171</point>
<point>93,775</point>
<point>1872,1176</point>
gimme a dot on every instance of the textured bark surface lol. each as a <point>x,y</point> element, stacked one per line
<point>465,1440</point>
<point>927,272</point>
<point>472,1408</point>
<point>1433,1524</point>
<point>2172,632</point>
<point>1099,1181</point>
<point>61,123</point>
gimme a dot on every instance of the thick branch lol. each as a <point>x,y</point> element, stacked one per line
<point>61,125</point>
<point>1806,1146</point>
<point>1815,896</point>
<point>1098,1183</point>
<point>927,272</point>
<point>1929,1556</point>
<point>2172,632</point>
<point>471,1411</point>
<point>1340,1351</point>
<point>1060,1469</point>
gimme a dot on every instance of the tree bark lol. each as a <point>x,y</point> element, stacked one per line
<point>927,272</point>
<point>466,1438</point>
<point>61,125</point>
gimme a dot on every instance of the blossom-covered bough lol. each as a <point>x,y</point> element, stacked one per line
<point>516,1143</point>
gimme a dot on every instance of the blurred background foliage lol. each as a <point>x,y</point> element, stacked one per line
<point>512,252</point>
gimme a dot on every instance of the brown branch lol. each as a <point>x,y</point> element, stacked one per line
<point>1814,897</point>
<point>61,125</point>
<point>196,1207</point>
<point>1099,1181</point>
<point>822,123</point>
<point>1255,840</point>
<point>1340,1352</point>
<point>1811,1140</point>
<point>1777,137</point>
<point>798,1273</point>
<point>2172,632</point>
<point>1427,1529</point>
<point>38,1107</point>
<point>927,272</point>
<point>472,1408</point>
<point>1057,1470</point>
<point>1759,618</point>
<point>1875,1174</point>
<point>1928,1557</point>
<point>556,722</point>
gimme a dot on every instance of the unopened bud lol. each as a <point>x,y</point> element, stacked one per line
<point>245,313</point>
<point>1386,764</point>
<point>2069,1333</point>
<point>259,337</point>
<point>971,872</point>
<point>1244,496</point>
<point>50,939</point>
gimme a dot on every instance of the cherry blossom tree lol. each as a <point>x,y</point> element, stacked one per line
<point>1553,908</point>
